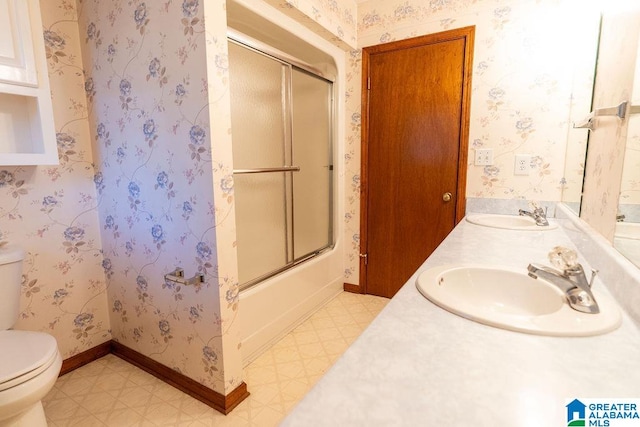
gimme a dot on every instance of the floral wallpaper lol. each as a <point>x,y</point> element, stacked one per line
<point>532,67</point>
<point>156,81</point>
<point>335,20</point>
<point>614,83</point>
<point>138,191</point>
<point>144,183</point>
<point>52,211</point>
<point>629,203</point>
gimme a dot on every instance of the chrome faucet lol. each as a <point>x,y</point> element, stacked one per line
<point>538,214</point>
<point>570,279</point>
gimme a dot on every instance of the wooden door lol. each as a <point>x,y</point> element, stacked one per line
<point>416,96</point>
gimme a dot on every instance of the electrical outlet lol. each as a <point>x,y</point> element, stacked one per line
<point>522,165</point>
<point>484,157</point>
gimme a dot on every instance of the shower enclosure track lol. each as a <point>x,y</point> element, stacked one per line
<point>267,170</point>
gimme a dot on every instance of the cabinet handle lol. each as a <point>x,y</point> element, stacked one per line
<point>447,197</point>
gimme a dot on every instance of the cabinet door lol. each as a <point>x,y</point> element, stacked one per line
<point>17,62</point>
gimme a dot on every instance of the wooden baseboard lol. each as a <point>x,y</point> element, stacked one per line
<point>183,383</point>
<point>81,359</point>
<point>354,289</point>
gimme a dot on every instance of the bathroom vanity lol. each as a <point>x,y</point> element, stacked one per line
<point>419,365</point>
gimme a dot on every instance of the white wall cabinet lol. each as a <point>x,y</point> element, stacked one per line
<point>17,60</point>
<point>27,132</point>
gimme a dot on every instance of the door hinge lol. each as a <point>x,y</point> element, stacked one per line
<point>365,257</point>
<point>368,83</point>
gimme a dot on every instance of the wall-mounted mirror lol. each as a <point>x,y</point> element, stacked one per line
<point>627,232</point>
<point>611,192</point>
<point>581,105</point>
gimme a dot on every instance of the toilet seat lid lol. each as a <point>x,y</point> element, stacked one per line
<point>22,352</point>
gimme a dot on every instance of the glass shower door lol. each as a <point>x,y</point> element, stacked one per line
<point>257,120</point>
<point>282,134</point>
<point>312,192</point>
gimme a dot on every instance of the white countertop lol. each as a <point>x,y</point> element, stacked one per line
<point>419,365</point>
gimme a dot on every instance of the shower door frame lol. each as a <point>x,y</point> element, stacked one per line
<point>292,64</point>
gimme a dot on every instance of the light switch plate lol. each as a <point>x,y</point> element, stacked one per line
<point>484,157</point>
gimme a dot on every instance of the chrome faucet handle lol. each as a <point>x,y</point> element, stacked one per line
<point>535,207</point>
<point>563,258</point>
<point>594,273</point>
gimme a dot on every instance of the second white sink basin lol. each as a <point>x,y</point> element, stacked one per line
<point>510,222</point>
<point>512,300</point>
<point>627,230</point>
<point>627,240</point>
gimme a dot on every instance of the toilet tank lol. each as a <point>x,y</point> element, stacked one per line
<point>10,281</point>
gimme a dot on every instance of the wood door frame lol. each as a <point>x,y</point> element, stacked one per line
<point>468,35</point>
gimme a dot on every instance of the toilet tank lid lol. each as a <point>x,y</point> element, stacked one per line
<point>10,253</point>
<point>24,351</point>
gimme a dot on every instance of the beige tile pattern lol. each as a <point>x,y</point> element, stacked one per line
<point>111,392</point>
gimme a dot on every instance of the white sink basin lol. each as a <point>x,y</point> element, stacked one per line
<point>511,222</point>
<point>627,230</point>
<point>510,299</point>
<point>627,240</point>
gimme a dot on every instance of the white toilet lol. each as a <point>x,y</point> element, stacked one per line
<point>29,361</point>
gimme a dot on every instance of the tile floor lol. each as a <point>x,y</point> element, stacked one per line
<point>111,392</point>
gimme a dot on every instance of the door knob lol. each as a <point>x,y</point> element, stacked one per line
<point>447,197</point>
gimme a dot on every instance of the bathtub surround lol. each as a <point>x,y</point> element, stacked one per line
<point>272,308</point>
